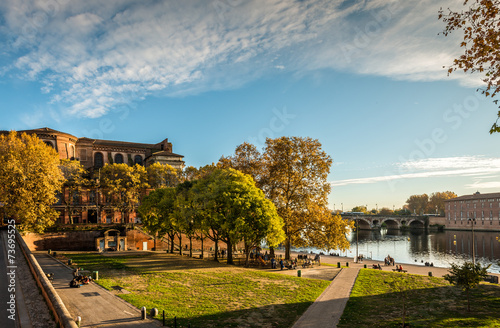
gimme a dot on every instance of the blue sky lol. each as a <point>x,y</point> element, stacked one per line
<point>364,77</point>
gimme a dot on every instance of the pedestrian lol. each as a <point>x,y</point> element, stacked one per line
<point>282,265</point>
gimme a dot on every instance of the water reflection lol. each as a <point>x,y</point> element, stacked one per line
<point>418,247</point>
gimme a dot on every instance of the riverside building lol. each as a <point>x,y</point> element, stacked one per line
<point>482,210</point>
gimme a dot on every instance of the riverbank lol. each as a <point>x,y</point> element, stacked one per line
<point>327,260</point>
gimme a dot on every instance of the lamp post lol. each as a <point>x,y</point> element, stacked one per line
<point>357,228</point>
<point>473,220</point>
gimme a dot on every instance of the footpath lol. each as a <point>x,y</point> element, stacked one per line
<point>95,305</point>
<point>326,311</point>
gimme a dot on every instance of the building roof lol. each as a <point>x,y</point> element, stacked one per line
<point>474,196</point>
<point>166,153</point>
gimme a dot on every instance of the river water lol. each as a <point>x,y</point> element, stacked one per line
<point>418,247</point>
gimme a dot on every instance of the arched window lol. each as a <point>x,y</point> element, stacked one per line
<point>72,151</point>
<point>138,159</point>
<point>48,143</point>
<point>98,160</point>
<point>119,159</point>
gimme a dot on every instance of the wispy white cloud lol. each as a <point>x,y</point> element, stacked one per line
<point>472,166</point>
<point>94,55</point>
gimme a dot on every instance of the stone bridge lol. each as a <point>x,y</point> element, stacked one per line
<point>372,222</point>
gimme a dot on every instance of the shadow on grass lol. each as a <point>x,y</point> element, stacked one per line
<point>444,306</point>
<point>272,316</point>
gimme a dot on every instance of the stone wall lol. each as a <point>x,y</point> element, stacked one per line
<point>62,241</point>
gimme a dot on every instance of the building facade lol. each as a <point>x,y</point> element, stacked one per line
<point>482,210</point>
<point>90,205</point>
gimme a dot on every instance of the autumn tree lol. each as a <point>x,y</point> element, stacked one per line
<point>75,181</point>
<point>123,185</point>
<point>466,276</point>
<point>162,175</point>
<point>246,159</point>
<point>418,204</point>
<point>385,211</point>
<point>30,178</point>
<point>296,182</point>
<point>436,201</point>
<point>481,43</point>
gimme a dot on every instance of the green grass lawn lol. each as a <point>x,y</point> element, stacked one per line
<point>377,301</point>
<point>205,293</point>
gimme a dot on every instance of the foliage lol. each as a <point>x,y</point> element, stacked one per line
<point>162,175</point>
<point>436,201</point>
<point>466,276</point>
<point>418,203</point>
<point>481,43</point>
<point>421,204</point>
<point>360,208</point>
<point>30,178</point>
<point>246,159</point>
<point>75,180</point>
<point>296,181</point>
<point>234,209</point>
<point>385,211</point>
<point>156,211</point>
<point>123,185</point>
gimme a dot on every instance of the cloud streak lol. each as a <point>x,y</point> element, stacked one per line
<point>437,167</point>
<point>93,56</point>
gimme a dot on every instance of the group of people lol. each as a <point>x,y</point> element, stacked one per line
<point>399,268</point>
<point>389,260</point>
<point>429,264</point>
<point>78,279</point>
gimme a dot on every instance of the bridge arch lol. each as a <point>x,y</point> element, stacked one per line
<point>414,223</point>
<point>391,223</point>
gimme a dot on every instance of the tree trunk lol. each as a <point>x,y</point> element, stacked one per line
<point>288,246</point>
<point>229,252</point>
<point>271,252</point>
<point>190,246</point>
<point>171,243</point>
<point>247,254</point>
<point>180,244</point>
<point>216,250</point>
<point>202,249</point>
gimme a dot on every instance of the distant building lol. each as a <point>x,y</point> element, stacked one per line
<point>481,209</point>
<point>94,154</point>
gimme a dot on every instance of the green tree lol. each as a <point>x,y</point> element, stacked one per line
<point>156,210</point>
<point>296,182</point>
<point>234,209</point>
<point>123,186</point>
<point>466,276</point>
<point>30,178</point>
<point>481,43</point>
<point>360,208</point>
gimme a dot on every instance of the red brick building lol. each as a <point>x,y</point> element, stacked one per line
<point>481,209</point>
<point>91,205</point>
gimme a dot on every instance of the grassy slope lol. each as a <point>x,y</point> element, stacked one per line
<point>212,295</point>
<point>431,302</point>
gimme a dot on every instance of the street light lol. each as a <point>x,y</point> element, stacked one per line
<point>473,220</point>
<point>357,228</point>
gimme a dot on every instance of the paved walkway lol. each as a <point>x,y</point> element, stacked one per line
<point>95,305</point>
<point>326,311</point>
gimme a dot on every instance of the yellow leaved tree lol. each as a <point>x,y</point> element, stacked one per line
<point>30,178</point>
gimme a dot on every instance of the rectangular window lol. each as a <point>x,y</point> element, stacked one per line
<point>83,154</point>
